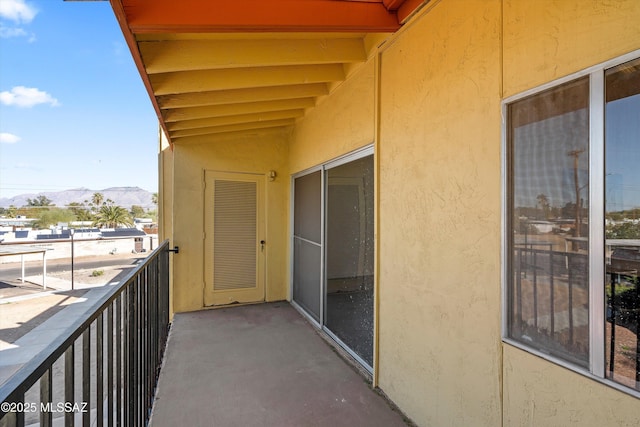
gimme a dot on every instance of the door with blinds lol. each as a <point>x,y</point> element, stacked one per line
<point>234,241</point>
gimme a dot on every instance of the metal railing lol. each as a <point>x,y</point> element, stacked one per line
<point>117,346</point>
<point>549,294</point>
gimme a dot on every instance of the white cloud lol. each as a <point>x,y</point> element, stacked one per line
<point>17,10</point>
<point>8,138</point>
<point>21,96</point>
<point>11,32</point>
<point>8,32</point>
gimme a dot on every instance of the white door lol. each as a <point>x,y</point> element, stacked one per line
<point>234,238</point>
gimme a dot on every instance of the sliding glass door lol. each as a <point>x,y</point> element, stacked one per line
<point>333,250</point>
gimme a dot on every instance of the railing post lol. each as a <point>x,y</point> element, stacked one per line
<point>126,367</point>
<point>131,345</point>
<point>46,397</point>
<point>552,296</point>
<point>612,350</point>
<point>110,361</point>
<point>99,369</point>
<point>69,383</point>
<point>86,376</point>
<point>519,319</point>
<point>535,289</point>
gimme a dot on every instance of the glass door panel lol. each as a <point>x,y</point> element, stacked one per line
<point>622,223</point>
<point>350,255</point>
<point>307,244</point>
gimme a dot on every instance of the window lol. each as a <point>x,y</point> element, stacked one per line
<point>573,222</point>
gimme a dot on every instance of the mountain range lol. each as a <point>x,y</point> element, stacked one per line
<point>122,196</point>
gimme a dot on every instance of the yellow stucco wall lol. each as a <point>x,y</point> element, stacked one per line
<point>165,202</point>
<point>539,393</point>
<point>548,39</point>
<point>545,40</point>
<point>165,189</point>
<point>250,154</point>
<point>439,189</point>
<point>340,123</point>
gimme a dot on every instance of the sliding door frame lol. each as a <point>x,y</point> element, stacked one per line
<point>317,323</point>
<point>324,168</point>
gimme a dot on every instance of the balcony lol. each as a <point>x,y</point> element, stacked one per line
<point>260,365</point>
<point>120,364</point>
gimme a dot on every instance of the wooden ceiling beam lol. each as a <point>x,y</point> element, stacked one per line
<point>232,96</point>
<point>202,133</point>
<point>191,125</point>
<point>197,81</point>
<point>166,16</point>
<point>193,113</point>
<point>184,55</point>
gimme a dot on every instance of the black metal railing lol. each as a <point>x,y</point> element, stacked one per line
<point>549,290</point>
<point>117,346</point>
<point>623,315</point>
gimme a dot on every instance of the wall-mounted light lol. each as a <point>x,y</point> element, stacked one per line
<point>272,175</point>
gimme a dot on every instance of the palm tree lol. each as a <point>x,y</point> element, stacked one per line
<point>80,211</point>
<point>111,216</point>
<point>543,201</point>
<point>97,199</point>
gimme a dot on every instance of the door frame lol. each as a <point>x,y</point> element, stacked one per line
<point>292,206</point>
<point>324,167</point>
<point>211,297</point>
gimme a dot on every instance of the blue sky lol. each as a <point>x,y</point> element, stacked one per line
<point>73,109</point>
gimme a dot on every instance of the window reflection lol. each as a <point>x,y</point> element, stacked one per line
<point>622,223</point>
<point>549,188</point>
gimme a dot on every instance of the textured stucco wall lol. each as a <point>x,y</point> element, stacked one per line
<point>440,216</point>
<point>340,123</point>
<point>548,39</point>
<point>165,190</point>
<point>540,393</point>
<point>249,154</point>
<point>165,203</point>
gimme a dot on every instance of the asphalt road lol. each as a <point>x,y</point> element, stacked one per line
<point>13,270</point>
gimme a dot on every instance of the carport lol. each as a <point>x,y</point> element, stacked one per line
<point>25,250</point>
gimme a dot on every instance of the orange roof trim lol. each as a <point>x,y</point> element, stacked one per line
<point>166,16</point>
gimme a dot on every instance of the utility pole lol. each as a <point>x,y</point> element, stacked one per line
<point>578,220</point>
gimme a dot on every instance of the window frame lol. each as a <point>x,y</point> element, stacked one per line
<point>597,336</point>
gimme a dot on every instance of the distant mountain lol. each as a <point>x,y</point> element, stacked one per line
<point>122,196</point>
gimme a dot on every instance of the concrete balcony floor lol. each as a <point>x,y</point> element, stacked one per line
<point>260,365</point>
